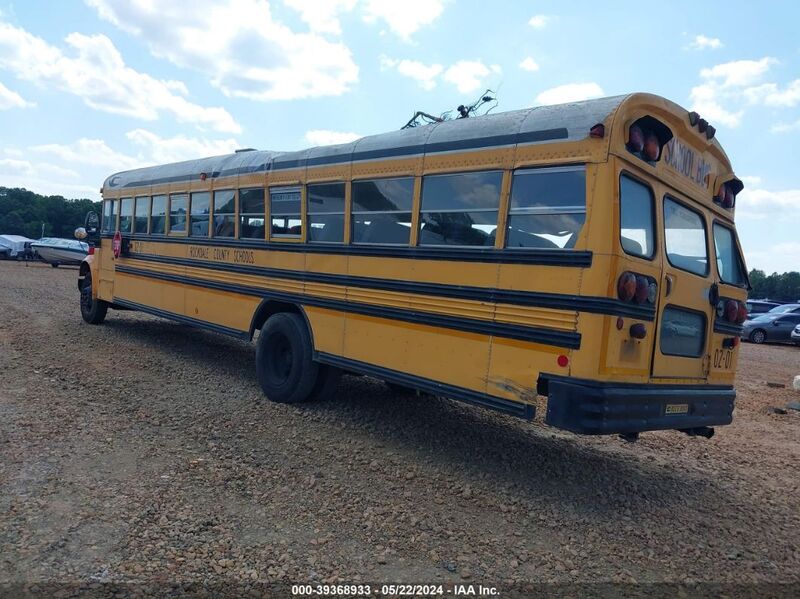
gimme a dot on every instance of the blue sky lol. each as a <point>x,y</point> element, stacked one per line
<point>96,86</point>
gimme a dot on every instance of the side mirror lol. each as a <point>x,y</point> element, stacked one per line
<point>80,233</point>
<point>92,223</point>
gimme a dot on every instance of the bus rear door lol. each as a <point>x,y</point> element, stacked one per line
<point>685,314</point>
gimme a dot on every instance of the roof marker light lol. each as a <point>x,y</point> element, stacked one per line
<point>711,131</point>
<point>693,118</point>
<point>702,125</point>
<point>598,131</point>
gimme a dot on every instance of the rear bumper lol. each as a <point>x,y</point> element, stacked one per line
<point>595,408</point>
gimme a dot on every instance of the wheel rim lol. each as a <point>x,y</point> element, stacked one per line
<point>279,358</point>
<point>759,337</point>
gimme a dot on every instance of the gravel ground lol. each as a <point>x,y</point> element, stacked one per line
<point>143,450</point>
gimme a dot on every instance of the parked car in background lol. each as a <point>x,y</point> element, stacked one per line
<point>778,325</point>
<point>796,335</point>
<point>760,306</point>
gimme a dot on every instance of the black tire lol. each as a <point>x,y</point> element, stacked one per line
<point>285,367</point>
<point>327,383</point>
<point>758,336</point>
<point>54,264</point>
<point>93,310</point>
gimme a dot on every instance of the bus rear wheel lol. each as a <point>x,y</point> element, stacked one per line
<point>93,310</point>
<point>285,364</point>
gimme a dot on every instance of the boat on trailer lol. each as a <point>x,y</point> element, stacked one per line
<point>56,251</point>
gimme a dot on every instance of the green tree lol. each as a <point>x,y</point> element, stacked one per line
<point>23,212</point>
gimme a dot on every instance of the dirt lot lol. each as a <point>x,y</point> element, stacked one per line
<point>143,450</point>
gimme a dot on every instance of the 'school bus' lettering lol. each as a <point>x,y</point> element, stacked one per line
<point>438,265</point>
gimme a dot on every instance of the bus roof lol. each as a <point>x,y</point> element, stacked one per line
<point>541,124</point>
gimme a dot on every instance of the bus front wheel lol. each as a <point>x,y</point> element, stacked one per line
<point>285,366</point>
<point>93,310</point>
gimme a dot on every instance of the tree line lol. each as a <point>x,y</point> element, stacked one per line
<point>23,212</point>
<point>784,287</point>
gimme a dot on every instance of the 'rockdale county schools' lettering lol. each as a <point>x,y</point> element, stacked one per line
<point>222,254</point>
<point>687,162</point>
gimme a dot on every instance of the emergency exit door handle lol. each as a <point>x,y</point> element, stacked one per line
<point>667,285</point>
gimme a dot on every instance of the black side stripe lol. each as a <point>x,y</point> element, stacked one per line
<point>543,257</point>
<point>182,319</point>
<point>556,301</point>
<point>542,335</point>
<point>483,400</point>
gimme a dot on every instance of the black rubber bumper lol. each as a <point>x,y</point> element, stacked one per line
<point>594,408</point>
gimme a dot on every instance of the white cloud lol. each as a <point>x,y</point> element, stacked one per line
<point>44,178</point>
<point>468,75</point>
<point>96,72</point>
<point>539,21</point>
<point>758,202</point>
<point>785,127</point>
<point>94,152</point>
<point>734,83</point>
<point>324,137</point>
<point>11,99</point>
<point>322,15</point>
<point>780,257</point>
<point>571,92</point>
<point>529,64</point>
<point>738,73</point>
<point>422,73</point>
<point>403,18</point>
<point>160,150</point>
<point>245,52</point>
<point>701,42</point>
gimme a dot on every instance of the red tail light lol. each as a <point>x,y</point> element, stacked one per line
<point>652,148</point>
<point>729,198</point>
<point>626,286</point>
<point>741,316</point>
<point>642,290</point>
<point>91,250</point>
<point>636,139</point>
<point>731,310</point>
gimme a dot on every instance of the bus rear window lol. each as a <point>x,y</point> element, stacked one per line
<point>636,233</point>
<point>729,262</point>
<point>685,236</point>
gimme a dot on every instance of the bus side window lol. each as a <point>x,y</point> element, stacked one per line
<point>325,212</point>
<point>284,212</point>
<point>158,215</point>
<point>224,213</point>
<point>126,215</point>
<point>252,217</point>
<point>382,211</point>
<point>177,213</point>
<point>548,207</point>
<point>636,233</point>
<point>199,213</point>
<point>460,209</point>
<point>141,211</point>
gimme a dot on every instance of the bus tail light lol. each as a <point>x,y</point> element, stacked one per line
<point>635,139</point>
<point>626,286</point>
<point>638,331</point>
<point>741,316</point>
<point>652,147</point>
<point>91,250</point>
<point>642,290</point>
<point>652,292</point>
<point>731,310</point>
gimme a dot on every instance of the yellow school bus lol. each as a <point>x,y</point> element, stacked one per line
<point>584,253</point>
